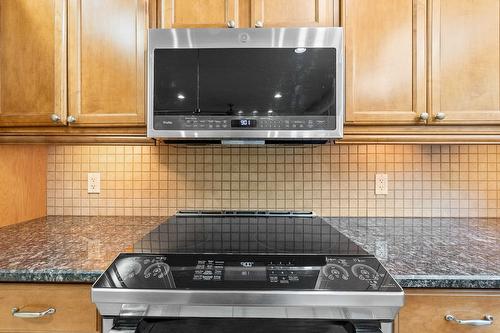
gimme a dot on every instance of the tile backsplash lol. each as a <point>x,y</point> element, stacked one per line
<point>332,180</point>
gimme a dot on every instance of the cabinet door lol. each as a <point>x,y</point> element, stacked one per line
<point>107,44</point>
<point>74,313</point>
<point>198,13</point>
<point>293,13</point>
<point>385,44</point>
<point>32,62</point>
<point>425,310</point>
<point>466,61</point>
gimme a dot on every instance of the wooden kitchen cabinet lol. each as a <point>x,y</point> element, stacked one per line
<point>465,61</point>
<point>385,43</point>
<point>32,62</point>
<point>293,13</point>
<point>82,63</point>
<point>389,73</point>
<point>425,309</point>
<point>74,313</point>
<point>198,13</point>
<point>106,62</point>
<point>247,13</point>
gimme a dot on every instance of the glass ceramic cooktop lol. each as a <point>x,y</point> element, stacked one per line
<point>247,234</point>
<point>243,252</point>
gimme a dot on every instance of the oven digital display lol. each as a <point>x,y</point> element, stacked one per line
<point>245,271</point>
<point>245,123</point>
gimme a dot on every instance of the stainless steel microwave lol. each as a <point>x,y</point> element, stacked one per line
<point>246,84</point>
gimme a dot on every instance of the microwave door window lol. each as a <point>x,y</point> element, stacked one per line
<point>175,81</point>
<point>267,82</point>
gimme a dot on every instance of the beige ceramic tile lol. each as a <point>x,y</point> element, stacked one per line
<point>424,180</point>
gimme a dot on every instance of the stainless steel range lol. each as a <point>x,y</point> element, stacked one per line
<point>246,271</point>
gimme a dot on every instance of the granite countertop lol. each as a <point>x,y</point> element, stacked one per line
<point>431,252</point>
<point>418,252</point>
<point>67,248</point>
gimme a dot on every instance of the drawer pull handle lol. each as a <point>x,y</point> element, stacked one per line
<point>488,320</point>
<point>20,314</point>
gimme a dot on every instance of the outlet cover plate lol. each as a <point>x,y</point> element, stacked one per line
<point>94,182</point>
<point>381,184</point>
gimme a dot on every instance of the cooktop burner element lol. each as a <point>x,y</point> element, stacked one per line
<point>247,265</point>
<point>247,232</point>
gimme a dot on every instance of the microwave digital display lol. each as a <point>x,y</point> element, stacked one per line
<point>243,123</point>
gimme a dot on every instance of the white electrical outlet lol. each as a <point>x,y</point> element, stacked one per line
<point>381,183</point>
<point>94,182</point>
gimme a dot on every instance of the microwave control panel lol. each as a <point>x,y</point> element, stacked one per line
<point>162,122</point>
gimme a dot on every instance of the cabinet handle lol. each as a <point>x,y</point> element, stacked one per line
<point>71,119</point>
<point>440,116</point>
<point>488,320</point>
<point>259,24</point>
<point>231,24</point>
<point>55,118</point>
<point>18,314</point>
<point>424,116</point>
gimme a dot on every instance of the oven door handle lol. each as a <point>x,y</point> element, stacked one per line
<point>121,331</point>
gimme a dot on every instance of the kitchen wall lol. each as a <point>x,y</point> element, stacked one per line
<point>333,180</point>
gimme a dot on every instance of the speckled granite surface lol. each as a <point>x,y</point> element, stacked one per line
<point>67,248</point>
<point>426,253</point>
<point>431,252</point>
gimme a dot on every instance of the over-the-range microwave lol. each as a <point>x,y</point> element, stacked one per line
<point>246,85</point>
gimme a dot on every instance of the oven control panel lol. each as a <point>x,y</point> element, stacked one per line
<point>278,272</point>
<point>242,272</point>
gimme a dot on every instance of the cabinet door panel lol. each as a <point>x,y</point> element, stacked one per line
<point>385,61</point>
<point>75,312</point>
<point>32,62</point>
<point>424,311</point>
<point>466,61</point>
<point>198,13</point>
<point>293,13</point>
<point>107,43</point>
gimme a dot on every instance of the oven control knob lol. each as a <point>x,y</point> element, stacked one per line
<point>364,272</point>
<point>157,270</point>
<point>129,268</point>
<point>335,272</point>
<point>161,272</point>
